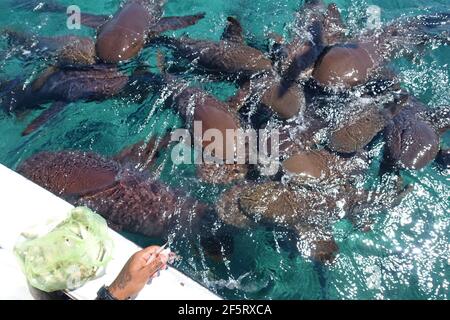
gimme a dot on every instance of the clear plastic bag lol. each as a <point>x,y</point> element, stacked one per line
<point>73,253</point>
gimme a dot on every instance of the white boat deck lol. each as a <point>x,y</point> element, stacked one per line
<point>24,205</point>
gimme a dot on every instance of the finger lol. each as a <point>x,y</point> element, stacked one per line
<point>153,265</point>
<point>164,258</point>
<point>148,252</point>
<point>157,274</point>
<point>172,258</point>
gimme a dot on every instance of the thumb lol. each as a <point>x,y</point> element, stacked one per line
<point>148,252</point>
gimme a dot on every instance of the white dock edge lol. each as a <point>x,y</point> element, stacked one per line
<point>24,205</point>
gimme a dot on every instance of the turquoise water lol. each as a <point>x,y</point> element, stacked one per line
<point>405,256</point>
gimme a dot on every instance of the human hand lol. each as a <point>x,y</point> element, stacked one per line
<point>137,272</point>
